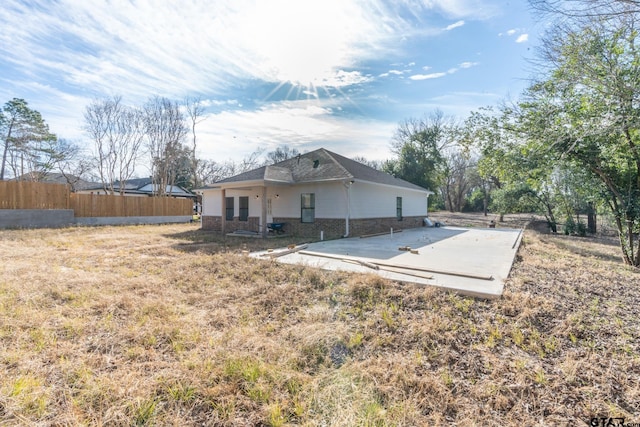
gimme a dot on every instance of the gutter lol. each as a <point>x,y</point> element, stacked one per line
<point>348,217</point>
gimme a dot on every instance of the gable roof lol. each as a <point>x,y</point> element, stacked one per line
<point>317,166</point>
<point>57,178</point>
<point>143,186</point>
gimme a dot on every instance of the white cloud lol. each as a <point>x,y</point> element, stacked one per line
<point>523,37</point>
<point>142,48</point>
<point>451,70</point>
<point>510,32</point>
<point>459,104</point>
<point>427,76</point>
<point>305,125</point>
<point>478,9</point>
<point>172,48</point>
<point>163,47</point>
<point>454,25</point>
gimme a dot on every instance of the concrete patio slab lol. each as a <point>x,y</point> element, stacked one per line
<point>472,261</point>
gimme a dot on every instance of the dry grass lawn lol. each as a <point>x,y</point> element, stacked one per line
<point>168,325</point>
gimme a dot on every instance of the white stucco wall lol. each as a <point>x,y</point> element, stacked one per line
<point>212,201</point>
<point>367,200</point>
<point>330,200</point>
<point>376,201</point>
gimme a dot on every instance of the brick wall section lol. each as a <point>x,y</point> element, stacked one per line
<point>360,227</point>
<point>214,223</point>
<point>333,228</point>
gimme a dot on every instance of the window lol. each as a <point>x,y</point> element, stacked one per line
<point>243,203</point>
<point>308,207</point>
<point>399,208</point>
<point>229,208</point>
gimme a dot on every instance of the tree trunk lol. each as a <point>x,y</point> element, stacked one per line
<point>485,202</point>
<point>6,149</point>
<point>591,219</point>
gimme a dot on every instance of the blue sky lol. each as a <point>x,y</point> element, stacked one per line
<point>339,74</point>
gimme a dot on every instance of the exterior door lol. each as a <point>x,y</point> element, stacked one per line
<point>269,212</point>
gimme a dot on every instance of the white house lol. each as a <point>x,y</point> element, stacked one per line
<point>312,193</point>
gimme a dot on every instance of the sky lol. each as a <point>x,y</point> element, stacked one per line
<point>338,74</point>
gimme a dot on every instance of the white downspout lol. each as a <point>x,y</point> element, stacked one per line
<point>348,217</point>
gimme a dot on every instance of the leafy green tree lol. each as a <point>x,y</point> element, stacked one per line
<point>587,112</point>
<point>27,144</point>
<point>484,135</point>
<point>419,147</point>
<point>518,174</point>
<point>577,191</point>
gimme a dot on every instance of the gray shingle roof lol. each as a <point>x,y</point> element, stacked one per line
<point>58,178</point>
<point>319,165</point>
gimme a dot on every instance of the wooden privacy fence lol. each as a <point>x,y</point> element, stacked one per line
<point>33,195</point>
<point>92,205</point>
<point>38,195</point>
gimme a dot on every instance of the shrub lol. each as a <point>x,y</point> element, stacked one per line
<point>569,226</point>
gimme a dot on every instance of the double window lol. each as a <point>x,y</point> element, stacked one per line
<point>399,208</point>
<point>308,207</point>
<point>243,208</point>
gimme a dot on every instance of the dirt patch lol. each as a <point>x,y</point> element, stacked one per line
<point>461,219</point>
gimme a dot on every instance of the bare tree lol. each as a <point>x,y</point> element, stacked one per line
<point>117,132</point>
<point>578,9</point>
<point>165,130</point>
<point>458,176</point>
<point>281,153</point>
<point>210,171</point>
<point>195,112</point>
<point>74,165</point>
<point>375,164</point>
<point>250,161</point>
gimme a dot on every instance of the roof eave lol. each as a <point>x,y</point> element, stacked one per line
<point>418,190</point>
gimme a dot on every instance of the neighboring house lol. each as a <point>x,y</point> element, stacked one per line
<point>77,184</point>
<point>140,187</point>
<point>312,193</point>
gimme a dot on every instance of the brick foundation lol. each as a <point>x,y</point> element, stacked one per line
<point>214,223</point>
<point>332,228</point>
<point>335,228</point>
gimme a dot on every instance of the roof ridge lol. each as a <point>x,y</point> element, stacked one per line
<point>331,154</point>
